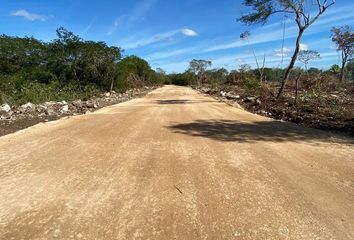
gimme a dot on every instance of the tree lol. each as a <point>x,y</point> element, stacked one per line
<point>245,36</point>
<point>300,10</point>
<point>217,74</point>
<point>334,69</point>
<point>314,70</point>
<point>305,56</point>
<point>344,39</point>
<point>198,67</point>
<point>349,69</point>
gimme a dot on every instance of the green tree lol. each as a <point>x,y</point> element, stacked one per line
<point>334,69</point>
<point>343,37</point>
<point>135,71</point>
<point>198,67</point>
<point>300,10</point>
<point>350,70</point>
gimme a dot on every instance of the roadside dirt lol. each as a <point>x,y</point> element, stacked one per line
<point>330,111</point>
<point>175,165</point>
<point>29,117</point>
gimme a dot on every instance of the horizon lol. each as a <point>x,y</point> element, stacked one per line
<point>157,32</point>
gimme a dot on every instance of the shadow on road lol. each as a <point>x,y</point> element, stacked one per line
<point>173,101</point>
<point>273,131</point>
<point>180,101</point>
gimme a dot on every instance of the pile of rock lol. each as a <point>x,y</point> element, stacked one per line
<point>56,109</point>
<point>229,95</point>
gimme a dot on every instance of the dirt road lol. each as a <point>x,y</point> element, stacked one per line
<point>175,165</point>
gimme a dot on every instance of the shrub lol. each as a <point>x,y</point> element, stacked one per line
<point>251,84</point>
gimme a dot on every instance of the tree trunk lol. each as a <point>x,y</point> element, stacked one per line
<point>297,88</point>
<point>262,72</point>
<point>292,62</point>
<point>341,77</point>
<point>112,82</point>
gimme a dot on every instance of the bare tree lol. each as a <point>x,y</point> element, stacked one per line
<point>198,67</point>
<point>300,10</point>
<point>305,56</point>
<point>344,39</point>
<point>245,36</point>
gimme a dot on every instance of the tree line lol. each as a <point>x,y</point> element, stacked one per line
<point>66,68</point>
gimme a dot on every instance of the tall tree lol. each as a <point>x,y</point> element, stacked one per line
<point>198,67</point>
<point>300,10</point>
<point>305,56</point>
<point>344,39</point>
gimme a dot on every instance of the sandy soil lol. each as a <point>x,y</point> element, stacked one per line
<point>175,165</point>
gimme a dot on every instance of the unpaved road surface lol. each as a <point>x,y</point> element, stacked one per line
<point>175,165</point>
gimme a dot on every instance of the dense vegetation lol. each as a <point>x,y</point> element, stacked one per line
<point>66,68</point>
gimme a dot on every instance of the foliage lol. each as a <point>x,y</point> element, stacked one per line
<point>334,69</point>
<point>183,79</point>
<point>343,37</point>
<point>350,70</point>
<point>217,75</point>
<point>66,68</point>
<point>300,10</point>
<point>305,56</point>
<point>251,84</point>
<point>198,67</point>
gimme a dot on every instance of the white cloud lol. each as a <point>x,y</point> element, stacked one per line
<point>29,16</point>
<point>167,54</point>
<point>274,31</point>
<point>189,32</point>
<point>138,13</point>
<point>281,53</point>
<point>138,41</point>
<point>304,47</point>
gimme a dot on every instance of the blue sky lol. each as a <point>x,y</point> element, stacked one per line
<point>169,34</point>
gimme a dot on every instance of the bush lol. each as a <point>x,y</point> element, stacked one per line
<point>251,84</point>
<point>17,90</point>
<point>67,68</point>
<point>183,79</point>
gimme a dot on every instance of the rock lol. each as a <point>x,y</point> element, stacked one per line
<point>252,101</point>
<point>107,94</point>
<point>249,99</point>
<point>5,107</point>
<point>77,103</point>
<point>231,96</point>
<point>50,112</point>
<point>41,108</point>
<point>91,104</point>
<point>28,106</point>
<point>65,109</point>
<point>51,103</point>
<point>205,90</point>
